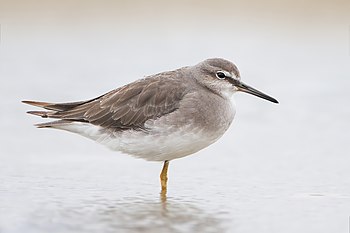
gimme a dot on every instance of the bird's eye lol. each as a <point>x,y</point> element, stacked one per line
<point>220,75</point>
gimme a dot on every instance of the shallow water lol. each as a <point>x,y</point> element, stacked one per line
<point>279,168</point>
<point>76,193</point>
<point>239,189</point>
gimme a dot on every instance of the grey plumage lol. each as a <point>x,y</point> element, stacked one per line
<point>190,103</point>
<point>128,107</point>
<point>159,118</point>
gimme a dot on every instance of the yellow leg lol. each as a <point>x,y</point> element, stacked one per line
<point>164,177</point>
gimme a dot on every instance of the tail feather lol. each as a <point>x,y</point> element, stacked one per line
<point>43,114</point>
<point>63,111</point>
<point>54,106</point>
<point>53,124</point>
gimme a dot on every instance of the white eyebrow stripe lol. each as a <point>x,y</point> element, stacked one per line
<point>227,74</point>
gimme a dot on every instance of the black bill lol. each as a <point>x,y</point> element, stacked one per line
<point>245,88</point>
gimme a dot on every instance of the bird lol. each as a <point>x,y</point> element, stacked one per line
<point>160,117</point>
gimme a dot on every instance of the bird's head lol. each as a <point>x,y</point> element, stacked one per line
<point>222,77</point>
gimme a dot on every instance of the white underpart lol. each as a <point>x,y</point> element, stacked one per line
<point>161,142</point>
<point>155,146</point>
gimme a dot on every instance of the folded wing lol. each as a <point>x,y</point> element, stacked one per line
<point>128,107</point>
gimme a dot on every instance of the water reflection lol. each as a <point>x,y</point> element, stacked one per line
<point>129,215</point>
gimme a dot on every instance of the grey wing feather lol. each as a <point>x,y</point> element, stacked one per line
<point>130,106</point>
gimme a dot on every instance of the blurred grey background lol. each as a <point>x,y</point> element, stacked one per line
<point>277,164</point>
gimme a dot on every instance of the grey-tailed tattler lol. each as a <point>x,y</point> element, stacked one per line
<point>160,117</point>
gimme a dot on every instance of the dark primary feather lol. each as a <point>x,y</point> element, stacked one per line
<point>127,107</point>
<point>54,106</point>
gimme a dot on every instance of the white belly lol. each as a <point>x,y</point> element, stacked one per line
<point>164,140</point>
<point>154,146</point>
<point>160,146</point>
